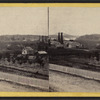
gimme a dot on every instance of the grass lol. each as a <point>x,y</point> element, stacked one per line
<point>76,62</point>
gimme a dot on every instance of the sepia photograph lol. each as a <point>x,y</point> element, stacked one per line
<point>74,49</point>
<point>23,49</point>
<point>49,49</point>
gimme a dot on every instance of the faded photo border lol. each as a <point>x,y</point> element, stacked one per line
<point>49,94</point>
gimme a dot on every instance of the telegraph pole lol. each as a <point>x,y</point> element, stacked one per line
<point>48,21</point>
<point>48,27</point>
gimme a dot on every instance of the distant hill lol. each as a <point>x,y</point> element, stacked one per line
<point>14,42</point>
<point>30,37</point>
<point>89,41</point>
<point>18,37</point>
<point>94,37</point>
<point>66,36</point>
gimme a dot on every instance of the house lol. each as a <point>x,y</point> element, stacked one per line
<point>72,44</point>
<point>27,50</point>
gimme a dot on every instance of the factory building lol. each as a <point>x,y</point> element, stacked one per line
<point>62,43</point>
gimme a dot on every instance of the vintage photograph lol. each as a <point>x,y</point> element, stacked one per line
<point>74,49</point>
<point>49,49</point>
<point>23,49</point>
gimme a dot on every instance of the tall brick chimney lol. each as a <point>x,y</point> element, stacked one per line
<point>39,38</point>
<point>61,37</point>
<point>42,38</point>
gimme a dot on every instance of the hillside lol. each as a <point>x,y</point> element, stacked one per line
<point>89,41</point>
<point>16,42</point>
<point>90,37</point>
<point>18,37</point>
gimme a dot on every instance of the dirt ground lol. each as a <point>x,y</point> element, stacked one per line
<point>60,82</point>
<point>13,87</point>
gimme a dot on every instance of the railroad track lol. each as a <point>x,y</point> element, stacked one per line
<point>80,65</point>
<point>22,71</point>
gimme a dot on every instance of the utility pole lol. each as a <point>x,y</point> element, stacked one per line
<point>48,27</point>
<point>48,21</point>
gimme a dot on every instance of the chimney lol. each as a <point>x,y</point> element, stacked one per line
<point>42,38</point>
<point>39,38</point>
<point>46,38</point>
<point>61,37</point>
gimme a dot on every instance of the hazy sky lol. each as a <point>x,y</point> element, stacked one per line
<point>75,20</point>
<point>34,20</point>
<point>23,20</point>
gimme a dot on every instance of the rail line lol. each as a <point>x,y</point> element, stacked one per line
<point>22,71</point>
<point>75,71</point>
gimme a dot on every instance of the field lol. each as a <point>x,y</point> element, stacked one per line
<point>78,58</point>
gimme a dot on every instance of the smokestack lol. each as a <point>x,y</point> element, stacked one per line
<point>42,38</point>
<point>46,38</point>
<point>39,38</point>
<point>61,37</point>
